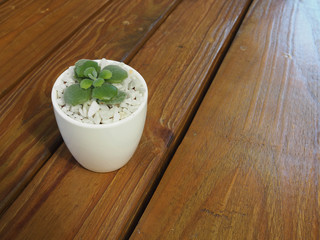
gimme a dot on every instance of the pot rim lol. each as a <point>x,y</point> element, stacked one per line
<point>106,125</point>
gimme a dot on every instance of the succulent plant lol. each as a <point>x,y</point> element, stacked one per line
<point>92,82</point>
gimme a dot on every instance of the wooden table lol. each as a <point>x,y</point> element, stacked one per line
<point>230,149</point>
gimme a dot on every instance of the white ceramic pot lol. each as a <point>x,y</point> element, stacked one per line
<point>103,147</point>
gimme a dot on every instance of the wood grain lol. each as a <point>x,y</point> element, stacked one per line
<point>31,30</point>
<point>248,167</point>
<point>28,132</point>
<point>177,70</point>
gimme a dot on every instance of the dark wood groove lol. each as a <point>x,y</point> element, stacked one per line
<point>175,144</point>
<point>33,64</point>
<point>55,140</point>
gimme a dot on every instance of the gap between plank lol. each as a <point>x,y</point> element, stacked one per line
<point>126,58</point>
<point>15,86</point>
<point>172,150</point>
<point>46,56</point>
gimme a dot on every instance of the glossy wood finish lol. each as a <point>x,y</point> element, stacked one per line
<point>248,167</point>
<point>66,201</point>
<point>28,132</point>
<point>31,30</point>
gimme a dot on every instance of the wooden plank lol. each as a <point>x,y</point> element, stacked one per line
<point>28,132</point>
<point>31,30</point>
<point>176,69</point>
<point>248,167</point>
<point>115,198</point>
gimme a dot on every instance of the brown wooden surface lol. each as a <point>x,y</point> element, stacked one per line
<point>248,167</point>
<point>31,30</point>
<point>65,201</point>
<point>28,132</point>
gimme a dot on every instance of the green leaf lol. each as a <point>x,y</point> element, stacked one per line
<point>98,82</point>
<point>86,83</point>
<point>118,73</point>
<point>75,95</point>
<point>105,92</point>
<point>78,79</point>
<point>116,99</point>
<point>83,64</point>
<point>91,73</point>
<point>105,74</point>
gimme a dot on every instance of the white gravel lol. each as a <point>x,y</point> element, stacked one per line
<point>95,113</point>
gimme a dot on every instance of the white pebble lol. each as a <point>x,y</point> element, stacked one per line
<point>93,109</point>
<point>97,118</point>
<point>116,117</point>
<point>60,101</point>
<point>93,113</point>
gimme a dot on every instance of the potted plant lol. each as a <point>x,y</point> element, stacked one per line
<point>100,108</point>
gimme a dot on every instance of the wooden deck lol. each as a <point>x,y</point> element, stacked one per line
<point>230,148</point>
